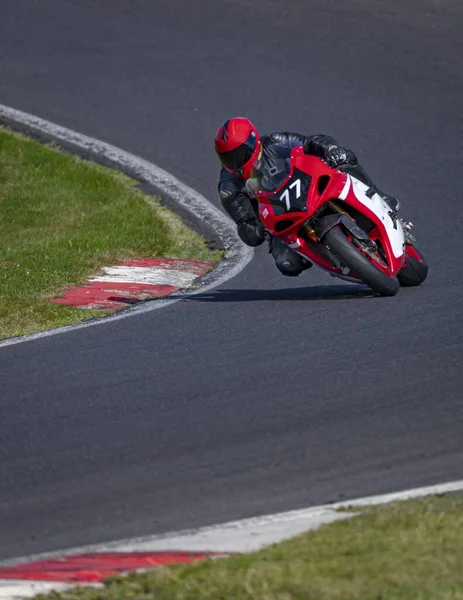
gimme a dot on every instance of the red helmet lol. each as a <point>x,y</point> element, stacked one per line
<point>237,143</point>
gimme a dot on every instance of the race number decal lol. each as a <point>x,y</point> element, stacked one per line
<point>285,195</point>
<point>292,197</point>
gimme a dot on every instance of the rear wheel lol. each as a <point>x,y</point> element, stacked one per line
<point>357,262</point>
<point>416,269</point>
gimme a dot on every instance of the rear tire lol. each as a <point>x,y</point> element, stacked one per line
<point>348,254</point>
<point>415,271</point>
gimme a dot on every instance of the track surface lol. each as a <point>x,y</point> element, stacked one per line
<point>268,393</point>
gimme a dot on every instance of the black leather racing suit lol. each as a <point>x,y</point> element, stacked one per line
<point>239,202</point>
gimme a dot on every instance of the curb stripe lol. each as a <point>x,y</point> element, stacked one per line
<point>96,567</point>
<point>181,264</point>
<point>146,275</point>
<point>112,296</point>
<point>128,284</point>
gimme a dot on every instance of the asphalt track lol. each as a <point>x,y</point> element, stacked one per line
<point>266,394</point>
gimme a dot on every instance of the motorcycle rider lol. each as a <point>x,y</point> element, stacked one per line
<point>249,161</point>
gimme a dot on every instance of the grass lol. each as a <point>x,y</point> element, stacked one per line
<point>61,220</point>
<point>402,551</point>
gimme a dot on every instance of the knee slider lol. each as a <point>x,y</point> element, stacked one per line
<point>289,263</point>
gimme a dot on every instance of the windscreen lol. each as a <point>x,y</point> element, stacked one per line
<point>275,166</point>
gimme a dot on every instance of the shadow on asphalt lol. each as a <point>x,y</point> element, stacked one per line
<point>322,292</point>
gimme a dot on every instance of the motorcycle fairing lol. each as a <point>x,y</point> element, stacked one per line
<point>387,227</point>
<point>287,207</point>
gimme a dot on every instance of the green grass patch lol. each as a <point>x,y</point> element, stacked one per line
<point>401,551</point>
<point>61,220</point>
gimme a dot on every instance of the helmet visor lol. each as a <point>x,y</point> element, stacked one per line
<point>235,159</point>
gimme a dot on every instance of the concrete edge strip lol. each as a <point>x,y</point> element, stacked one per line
<point>237,256</point>
<point>245,535</point>
<point>15,589</point>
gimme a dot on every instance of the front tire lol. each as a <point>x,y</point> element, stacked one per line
<point>348,254</point>
<point>416,269</point>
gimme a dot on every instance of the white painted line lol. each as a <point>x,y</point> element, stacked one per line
<point>431,490</point>
<point>149,275</point>
<point>247,535</point>
<point>236,257</point>
<point>11,589</point>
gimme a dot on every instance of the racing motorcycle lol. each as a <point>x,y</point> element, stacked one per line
<point>340,224</point>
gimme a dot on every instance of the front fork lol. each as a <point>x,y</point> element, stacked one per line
<point>358,236</point>
<point>409,238</point>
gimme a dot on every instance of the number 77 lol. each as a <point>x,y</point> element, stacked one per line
<point>285,195</point>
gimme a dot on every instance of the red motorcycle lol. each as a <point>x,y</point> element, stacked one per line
<point>341,225</point>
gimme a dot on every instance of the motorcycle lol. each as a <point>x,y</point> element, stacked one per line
<point>340,224</point>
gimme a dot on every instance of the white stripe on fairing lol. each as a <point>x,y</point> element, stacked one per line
<point>149,275</point>
<point>345,189</point>
<point>248,534</point>
<point>379,207</point>
<point>237,255</point>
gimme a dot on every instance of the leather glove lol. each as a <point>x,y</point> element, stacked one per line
<point>337,155</point>
<point>251,232</point>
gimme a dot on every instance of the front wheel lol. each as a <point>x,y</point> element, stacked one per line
<point>416,269</point>
<point>357,262</point>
